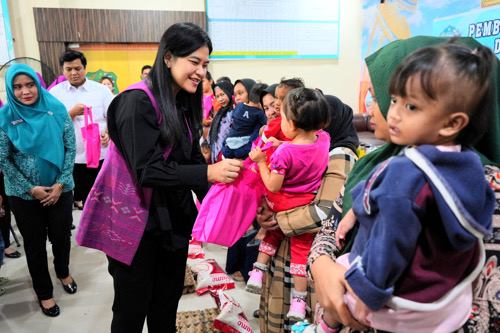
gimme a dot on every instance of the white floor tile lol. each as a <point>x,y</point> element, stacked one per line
<point>89,310</point>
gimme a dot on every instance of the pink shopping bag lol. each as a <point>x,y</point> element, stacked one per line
<point>91,139</point>
<point>229,209</point>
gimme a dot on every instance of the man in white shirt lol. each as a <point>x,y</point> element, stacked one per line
<point>76,93</point>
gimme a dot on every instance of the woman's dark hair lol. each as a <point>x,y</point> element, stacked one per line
<point>453,72</point>
<point>208,76</point>
<point>70,55</point>
<point>257,89</point>
<point>181,39</point>
<point>292,83</point>
<point>307,108</point>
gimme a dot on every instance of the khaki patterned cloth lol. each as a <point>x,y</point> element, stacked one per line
<point>278,282</point>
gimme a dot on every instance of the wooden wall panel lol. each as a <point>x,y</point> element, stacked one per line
<point>56,27</point>
<point>49,54</point>
<point>108,26</point>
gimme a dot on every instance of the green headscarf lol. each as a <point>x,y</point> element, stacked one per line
<point>36,129</point>
<point>381,65</point>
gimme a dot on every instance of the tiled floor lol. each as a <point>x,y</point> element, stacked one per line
<point>89,310</point>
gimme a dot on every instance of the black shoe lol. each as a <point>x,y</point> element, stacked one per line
<point>50,312</point>
<point>73,227</point>
<point>256,314</point>
<point>14,254</point>
<point>69,288</point>
<point>80,207</point>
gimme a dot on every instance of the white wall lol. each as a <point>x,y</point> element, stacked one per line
<point>339,77</point>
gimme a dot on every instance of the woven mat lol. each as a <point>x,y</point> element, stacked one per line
<point>199,321</point>
<point>189,283</point>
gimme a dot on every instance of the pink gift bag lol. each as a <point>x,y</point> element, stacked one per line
<point>228,210</point>
<point>91,139</point>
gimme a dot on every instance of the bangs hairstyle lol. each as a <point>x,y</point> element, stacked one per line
<point>463,78</point>
<point>181,39</point>
<point>307,108</point>
<point>257,89</point>
<point>292,83</point>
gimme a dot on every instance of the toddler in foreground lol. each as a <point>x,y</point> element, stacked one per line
<point>414,257</point>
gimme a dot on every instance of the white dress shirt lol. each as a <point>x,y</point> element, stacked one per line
<point>91,94</point>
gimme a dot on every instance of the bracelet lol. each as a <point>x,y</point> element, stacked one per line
<point>274,218</point>
<point>30,192</point>
<point>61,186</point>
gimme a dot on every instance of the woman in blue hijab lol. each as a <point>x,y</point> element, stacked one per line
<point>37,154</point>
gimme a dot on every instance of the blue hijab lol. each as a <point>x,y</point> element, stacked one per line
<point>35,129</point>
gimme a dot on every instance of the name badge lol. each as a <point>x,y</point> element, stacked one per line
<point>15,122</point>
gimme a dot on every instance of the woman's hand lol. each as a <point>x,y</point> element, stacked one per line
<point>345,225</point>
<point>207,122</point>
<point>54,193</point>
<point>225,171</point>
<point>330,286</point>
<point>40,192</point>
<point>361,310</point>
<point>265,217</point>
<point>105,139</point>
<point>257,155</point>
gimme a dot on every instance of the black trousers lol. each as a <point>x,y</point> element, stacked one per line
<point>241,258</point>
<point>36,222</point>
<point>150,288</point>
<point>84,180</point>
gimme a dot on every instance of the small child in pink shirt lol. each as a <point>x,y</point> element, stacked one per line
<point>292,180</point>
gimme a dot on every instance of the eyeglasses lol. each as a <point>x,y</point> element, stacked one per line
<point>368,99</point>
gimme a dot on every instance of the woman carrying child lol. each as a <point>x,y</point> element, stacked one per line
<point>221,123</point>
<point>328,276</point>
<point>293,179</point>
<point>278,282</point>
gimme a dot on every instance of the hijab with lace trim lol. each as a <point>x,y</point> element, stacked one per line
<point>36,129</point>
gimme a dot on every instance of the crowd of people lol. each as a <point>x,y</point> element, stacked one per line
<point>400,240</point>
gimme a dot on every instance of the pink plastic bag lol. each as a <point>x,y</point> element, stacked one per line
<point>229,209</point>
<point>91,139</point>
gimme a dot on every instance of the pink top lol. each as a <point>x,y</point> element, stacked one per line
<point>302,165</point>
<point>207,105</point>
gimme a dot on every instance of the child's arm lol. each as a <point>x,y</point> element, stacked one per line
<point>346,224</point>
<point>272,180</point>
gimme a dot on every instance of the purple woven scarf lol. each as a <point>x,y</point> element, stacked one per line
<point>117,209</point>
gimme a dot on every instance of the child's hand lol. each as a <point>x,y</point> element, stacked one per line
<point>361,310</point>
<point>275,141</point>
<point>343,228</point>
<point>257,155</point>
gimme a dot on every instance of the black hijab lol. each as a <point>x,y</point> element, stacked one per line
<point>341,128</point>
<point>228,89</point>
